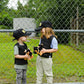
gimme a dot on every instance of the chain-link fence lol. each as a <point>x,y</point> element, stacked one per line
<point>67,17</point>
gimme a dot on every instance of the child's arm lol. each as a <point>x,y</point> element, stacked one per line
<point>54,46</point>
<point>48,50</point>
<point>16,53</point>
<point>22,56</point>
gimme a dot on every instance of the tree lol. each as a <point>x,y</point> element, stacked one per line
<point>3,4</point>
<point>59,12</point>
<point>5,18</point>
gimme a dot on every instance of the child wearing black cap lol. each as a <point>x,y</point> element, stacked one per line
<point>50,45</point>
<point>19,51</point>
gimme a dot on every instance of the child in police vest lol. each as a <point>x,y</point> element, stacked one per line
<point>50,45</point>
<point>19,51</point>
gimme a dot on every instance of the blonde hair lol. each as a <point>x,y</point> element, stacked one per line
<point>48,33</point>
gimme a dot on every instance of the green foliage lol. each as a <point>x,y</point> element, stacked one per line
<point>41,10</point>
<point>6,19</point>
<point>3,27</point>
<point>59,12</point>
<point>3,4</point>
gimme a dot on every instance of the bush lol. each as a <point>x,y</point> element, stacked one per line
<point>4,27</point>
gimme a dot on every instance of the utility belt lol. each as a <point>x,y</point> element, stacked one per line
<point>47,55</point>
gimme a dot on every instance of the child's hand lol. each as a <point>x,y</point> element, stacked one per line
<point>43,51</point>
<point>26,56</point>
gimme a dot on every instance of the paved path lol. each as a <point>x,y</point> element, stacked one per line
<point>71,83</point>
<point>66,83</point>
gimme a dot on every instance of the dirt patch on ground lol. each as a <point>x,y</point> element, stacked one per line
<point>56,80</point>
<point>69,79</point>
<point>5,81</point>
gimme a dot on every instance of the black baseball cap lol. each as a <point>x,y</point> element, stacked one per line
<point>44,24</point>
<point>19,33</point>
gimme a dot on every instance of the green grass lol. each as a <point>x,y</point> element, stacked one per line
<point>68,63</point>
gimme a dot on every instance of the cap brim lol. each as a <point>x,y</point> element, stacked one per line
<point>38,29</point>
<point>27,34</point>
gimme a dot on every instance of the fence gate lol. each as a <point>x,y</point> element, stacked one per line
<point>67,17</point>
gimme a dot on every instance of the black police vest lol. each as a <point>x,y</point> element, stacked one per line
<point>21,52</point>
<point>46,44</point>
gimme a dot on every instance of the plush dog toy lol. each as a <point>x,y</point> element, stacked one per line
<point>29,53</point>
<point>38,49</point>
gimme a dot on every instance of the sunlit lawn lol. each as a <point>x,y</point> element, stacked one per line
<point>68,63</point>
